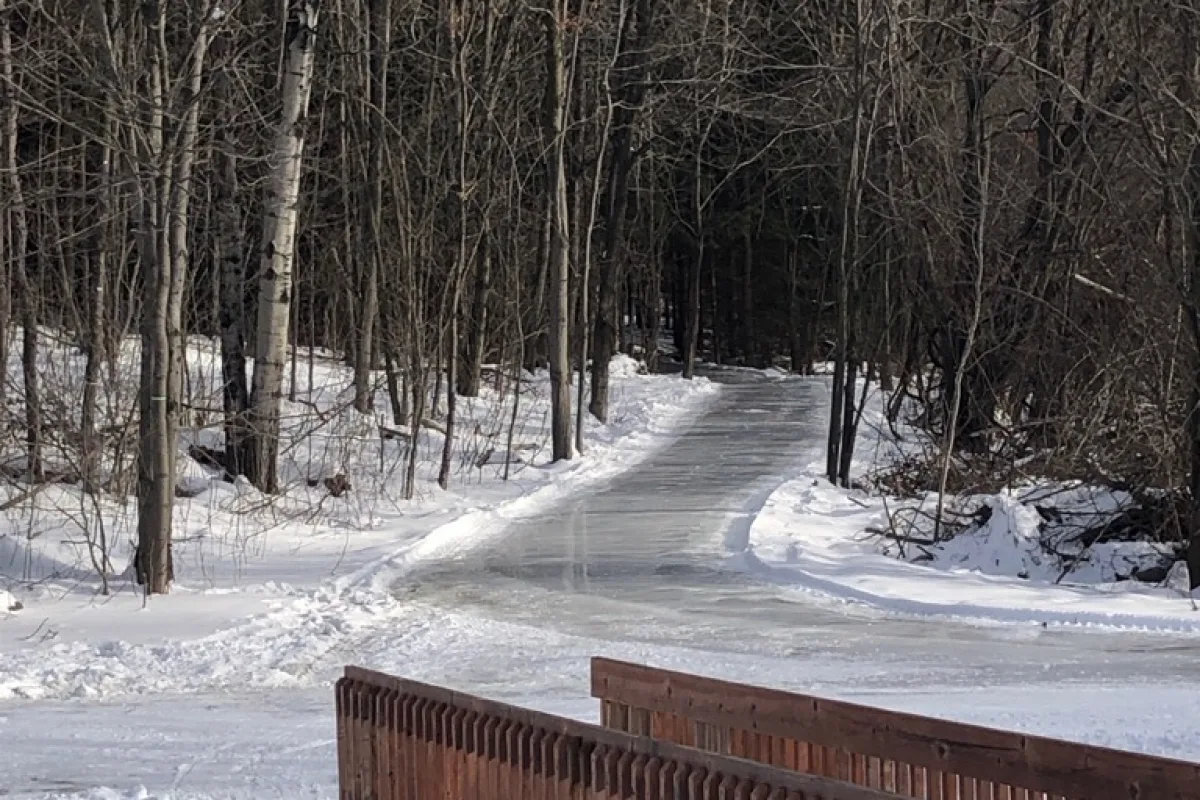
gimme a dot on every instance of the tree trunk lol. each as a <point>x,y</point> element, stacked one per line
<point>717,336</point>
<point>849,421</point>
<point>535,354</point>
<point>278,251</point>
<point>179,251</point>
<point>629,71</point>
<point>372,250</point>
<point>584,310</point>
<point>976,162</point>
<point>397,396</point>
<point>848,255</point>
<point>796,351</point>
<point>156,476</point>
<point>472,364</point>
<point>8,252</point>
<point>679,286</point>
<point>231,260</point>
<point>451,398</point>
<point>654,329</point>
<point>692,326</point>
<point>1193,204</point>
<point>97,335</point>
<point>19,244</point>
<point>749,342</point>
<point>559,255</point>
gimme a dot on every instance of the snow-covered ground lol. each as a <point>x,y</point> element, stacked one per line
<point>268,590</point>
<point>263,589</point>
<point>223,689</point>
<point>1003,567</point>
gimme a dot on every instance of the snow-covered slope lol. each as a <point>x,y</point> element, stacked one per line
<point>819,538</point>
<point>267,586</point>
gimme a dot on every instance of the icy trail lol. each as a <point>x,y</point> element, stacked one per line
<point>649,567</point>
<point>659,556</point>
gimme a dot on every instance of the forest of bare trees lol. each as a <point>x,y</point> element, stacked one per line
<point>990,207</point>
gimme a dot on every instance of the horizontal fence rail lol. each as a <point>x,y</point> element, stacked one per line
<point>401,740</point>
<point>902,754</point>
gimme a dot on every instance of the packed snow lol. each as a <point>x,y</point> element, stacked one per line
<point>1018,557</point>
<point>263,587</point>
<point>223,688</point>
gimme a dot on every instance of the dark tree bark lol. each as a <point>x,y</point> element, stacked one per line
<point>749,339</point>
<point>231,260</point>
<point>629,94</point>
<point>471,365</point>
<point>559,254</point>
<point>371,252</point>
<point>19,244</point>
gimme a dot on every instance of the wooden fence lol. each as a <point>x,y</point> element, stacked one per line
<point>400,740</point>
<point>903,754</point>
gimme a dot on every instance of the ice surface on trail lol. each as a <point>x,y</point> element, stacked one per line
<point>224,689</point>
<point>259,601</point>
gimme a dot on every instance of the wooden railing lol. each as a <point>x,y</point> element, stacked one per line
<point>401,740</point>
<point>904,754</point>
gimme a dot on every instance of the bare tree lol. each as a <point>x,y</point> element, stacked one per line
<point>278,249</point>
<point>229,255</point>
<point>628,73</point>
<point>19,247</point>
<point>380,12</point>
<point>559,253</point>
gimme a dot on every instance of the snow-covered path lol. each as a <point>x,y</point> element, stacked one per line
<point>645,569</point>
<point>656,558</point>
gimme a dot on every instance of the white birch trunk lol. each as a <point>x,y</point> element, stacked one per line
<point>278,249</point>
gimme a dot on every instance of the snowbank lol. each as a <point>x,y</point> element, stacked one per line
<point>1012,563</point>
<point>1045,534</point>
<point>267,587</point>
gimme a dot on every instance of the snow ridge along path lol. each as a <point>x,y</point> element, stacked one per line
<point>812,537</point>
<point>183,648</point>
<point>647,565</point>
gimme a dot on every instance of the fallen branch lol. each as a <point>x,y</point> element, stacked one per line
<point>388,432</point>
<point>21,497</point>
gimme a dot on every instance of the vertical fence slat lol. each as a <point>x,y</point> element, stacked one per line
<point>560,768</point>
<point>384,748</point>
<point>670,780</point>
<point>362,752</point>
<point>489,755</point>
<point>382,745</point>
<point>468,759</point>
<point>548,779</point>
<point>599,773</point>
<point>404,789</point>
<point>652,774</point>
<point>343,738</point>
<point>936,785</point>
<point>429,767</point>
<point>350,779</point>
<point>904,780</point>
